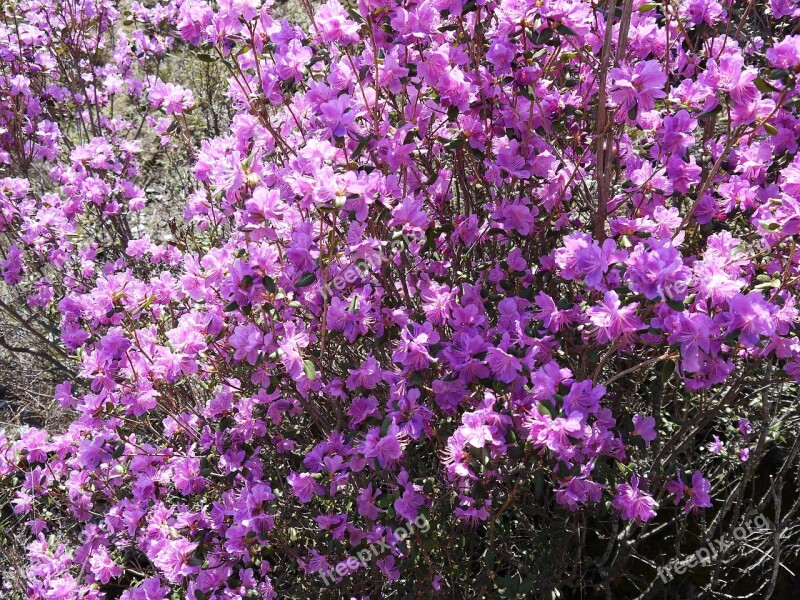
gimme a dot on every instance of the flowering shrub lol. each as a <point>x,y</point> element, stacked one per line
<point>515,270</point>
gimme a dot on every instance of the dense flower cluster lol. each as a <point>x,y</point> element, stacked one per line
<point>572,198</point>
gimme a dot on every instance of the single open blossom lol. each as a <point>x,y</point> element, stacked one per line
<point>557,435</point>
<point>716,446</point>
<point>698,493</point>
<point>149,589</point>
<point>751,317</point>
<point>785,54</point>
<point>173,558</point>
<point>644,427</point>
<point>386,449</point>
<point>638,87</point>
<point>612,321</point>
<point>304,486</point>
<point>103,567</point>
<point>413,348</point>
<point>633,503</point>
<point>334,24</point>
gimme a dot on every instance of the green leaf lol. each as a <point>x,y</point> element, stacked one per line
<point>667,370</point>
<point>120,448</point>
<point>648,7</point>
<point>779,74</point>
<point>355,15</point>
<point>306,280</point>
<point>269,284</point>
<point>206,58</point>
<point>544,409</point>
<point>764,86</point>
<point>676,305</point>
<point>770,129</point>
<point>564,30</point>
<point>310,370</point>
<point>359,149</point>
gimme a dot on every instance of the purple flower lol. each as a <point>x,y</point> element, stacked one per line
<point>698,493</point>
<point>337,115</point>
<point>612,321</point>
<point>505,366</point>
<point>413,349</point>
<point>751,317</point>
<point>386,448</point>
<point>744,427</point>
<point>304,486</point>
<point>633,503</point>
<point>644,427</point>
<point>785,54</point>
<point>334,25</point>
<point>172,558</point>
<point>638,87</point>
<point>716,446</point>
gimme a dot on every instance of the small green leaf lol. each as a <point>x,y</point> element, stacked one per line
<point>676,305</point>
<point>359,149</point>
<point>764,86</point>
<point>564,30</point>
<point>306,280</point>
<point>667,370</point>
<point>355,15</point>
<point>647,7</point>
<point>310,370</point>
<point>269,284</point>
<point>118,451</point>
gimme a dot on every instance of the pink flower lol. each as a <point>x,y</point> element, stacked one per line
<point>785,54</point>
<point>644,427</point>
<point>505,366</point>
<point>413,350</point>
<point>612,321</point>
<point>559,434</point>
<point>716,446</point>
<point>304,486</point>
<point>337,115</point>
<point>750,317</point>
<point>102,567</point>
<point>638,87</point>
<point>172,558</point>
<point>698,493</point>
<point>334,25</point>
<point>510,160</point>
<point>247,341</point>
<point>633,503</point>
<point>387,448</point>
